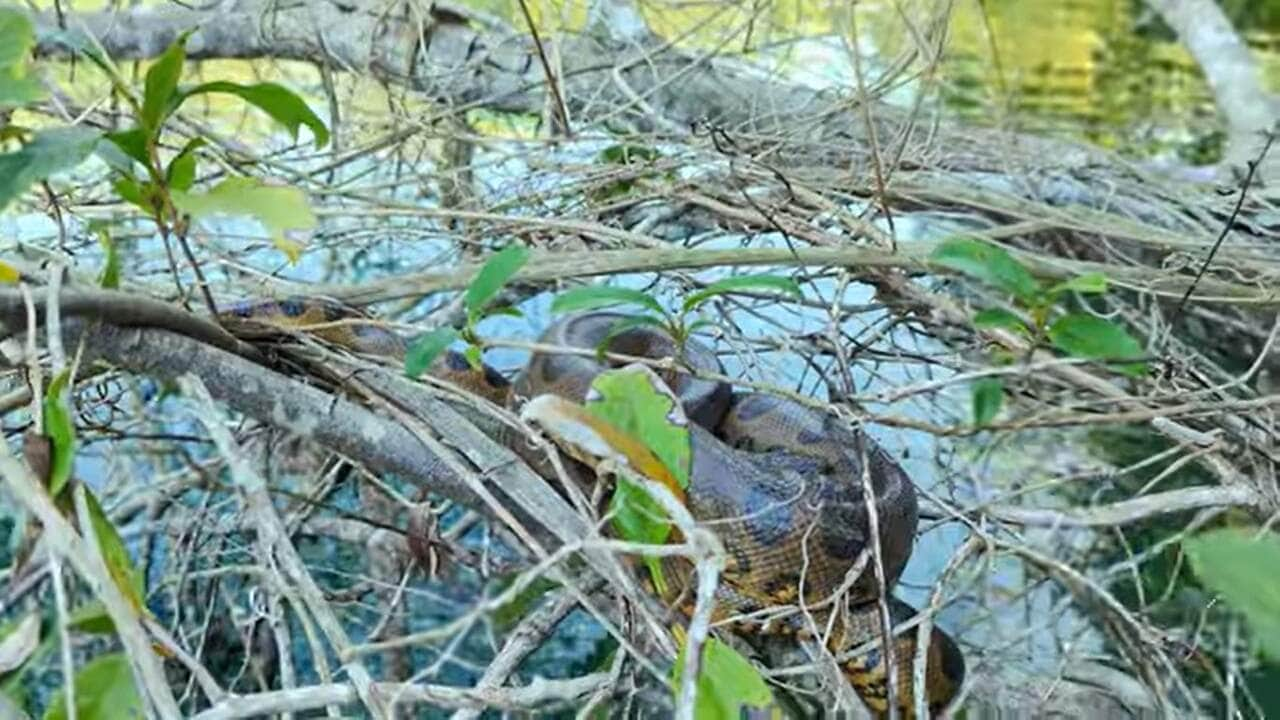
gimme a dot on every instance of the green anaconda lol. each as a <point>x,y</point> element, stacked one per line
<point>780,483</point>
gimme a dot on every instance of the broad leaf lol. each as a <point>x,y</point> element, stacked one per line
<point>1086,336</point>
<point>104,691</point>
<point>744,282</point>
<point>133,143</point>
<point>727,683</point>
<point>279,209</point>
<point>92,618</point>
<point>19,642</point>
<point>491,277</point>
<point>1088,284</point>
<point>120,566</point>
<point>282,104</point>
<point>989,264</point>
<point>49,152</point>
<point>181,174</point>
<point>999,318</point>
<point>425,349</point>
<point>988,396</point>
<point>143,195</point>
<point>17,37</point>
<point>162,85</point>
<point>591,297</point>
<point>473,356</point>
<point>61,433</point>
<point>1241,569</point>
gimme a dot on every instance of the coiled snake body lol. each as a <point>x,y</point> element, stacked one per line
<point>781,484</point>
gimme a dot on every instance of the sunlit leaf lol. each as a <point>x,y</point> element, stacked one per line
<point>1088,284</point>
<point>281,210</point>
<point>739,283</point>
<point>727,683</point>
<point>1241,569</point>
<point>999,318</point>
<point>1086,336</point>
<point>473,355</point>
<point>17,37</point>
<point>494,274</point>
<point>110,277</point>
<point>425,349</point>
<point>132,142</point>
<point>104,690</point>
<point>92,617</point>
<point>49,152</point>
<point>61,433</point>
<point>142,195</point>
<point>18,644</point>
<point>282,104</point>
<point>591,297</point>
<point>120,566</point>
<point>9,274</point>
<point>161,87</point>
<point>988,396</point>
<point>989,264</point>
<point>182,169</point>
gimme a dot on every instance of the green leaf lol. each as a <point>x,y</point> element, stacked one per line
<point>491,277</point>
<point>143,195</point>
<point>49,152</point>
<point>131,142</point>
<point>158,99</point>
<point>1088,284</point>
<point>744,282</point>
<point>629,401</point>
<point>473,355</point>
<point>61,433</point>
<point>1241,569</point>
<point>988,396</point>
<point>278,208</point>
<point>425,349</point>
<point>727,682</point>
<point>282,104</point>
<point>507,615</point>
<point>1086,336</point>
<point>104,691</point>
<point>989,264</point>
<point>120,566</point>
<point>110,277</point>
<point>181,174</point>
<point>9,275</point>
<point>999,318</point>
<point>17,37</point>
<point>92,618</point>
<point>591,297</point>
<point>624,324</point>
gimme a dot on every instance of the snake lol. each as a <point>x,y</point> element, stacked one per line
<point>781,483</point>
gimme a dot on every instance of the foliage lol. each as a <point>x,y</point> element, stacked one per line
<point>61,433</point>
<point>1240,566</point>
<point>727,683</point>
<point>104,690</point>
<point>1075,334</point>
<point>17,37</point>
<point>478,303</point>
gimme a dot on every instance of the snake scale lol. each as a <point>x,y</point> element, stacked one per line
<point>780,483</point>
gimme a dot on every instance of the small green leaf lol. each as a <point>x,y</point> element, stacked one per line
<point>92,618</point>
<point>131,142</point>
<point>988,396</point>
<point>104,691</point>
<point>507,615</point>
<point>181,174</point>
<point>49,152</point>
<point>622,325</point>
<point>744,282</point>
<point>639,518</point>
<point>61,433</point>
<point>17,37</point>
<point>505,310</point>
<point>999,318</point>
<point>119,564</point>
<point>1086,336</point>
<point>491,277</point>
<point>425,349</point>
<point>282,104</point>
<point>158,99</point>
<point>727,682</point>
<point>1088,284</point>
<point>1241,568</point>
<point>474,357</point>
<point>987,263</point>
<point>143,195</point>
<point>279,209</point>
<point>110,277</point>
<point>591,297</point>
